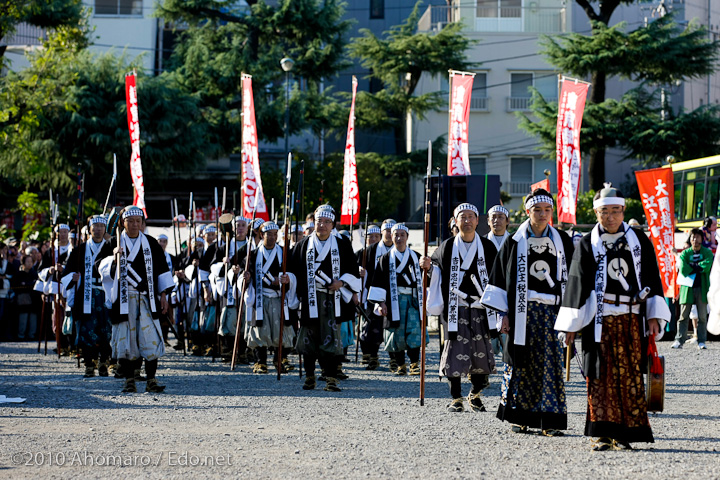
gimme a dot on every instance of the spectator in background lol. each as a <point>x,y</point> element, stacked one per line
<point>4,287</point>
<point>22,284</point>
<point>708,231</point>
<point>695,262</point>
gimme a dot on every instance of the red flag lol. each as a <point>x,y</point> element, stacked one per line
<point>351,192</point>
<point>458,146</point>
<point>545,184</point>
<point>567,138</point>
<point>658,197</point>
<point>251,181</point>
<point>134,127</point>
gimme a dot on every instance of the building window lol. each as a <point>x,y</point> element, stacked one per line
<point>118,7</point>
<point>521,175</point>
<point>520,94</point>
<point>377,9</point>
<point>477,164</point>
<point>499,8</point>
<point>479,99</point>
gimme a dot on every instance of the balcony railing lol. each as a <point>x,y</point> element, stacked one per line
<point>502,19</point>
<point>523,188</point>
<point>26,35</point>
<point>523,104</point>
<point>480,104</point>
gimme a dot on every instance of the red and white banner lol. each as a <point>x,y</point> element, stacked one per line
<point>544,184</point>
<point>567,138</point>
<point>133,117</point>
<point>658,197</point>
<point>458,143</point>
<point>351,191</point>
<point>251,181</point>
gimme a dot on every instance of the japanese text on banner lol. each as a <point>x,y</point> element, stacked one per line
<point>251,181</point>
<point>134,127</point>
<point>351,192</point>
<point>458,142</point>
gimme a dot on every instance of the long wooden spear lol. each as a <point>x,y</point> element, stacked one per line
<point>365,279</point>
<point>426,237</point>
<point>286,210</point>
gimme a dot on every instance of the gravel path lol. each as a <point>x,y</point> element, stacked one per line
<point>252,426</point>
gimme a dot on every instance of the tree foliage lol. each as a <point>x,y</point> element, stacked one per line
<point>40,13</point>
<point>398,61</point>
<point>223,41</point>
<point>69,107</point>
<point>659,54</point>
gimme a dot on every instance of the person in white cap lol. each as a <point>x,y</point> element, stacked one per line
<point>458,276</point>
<point>371,333</point>
<point>137,289</point>
<point>396,291</point>
<point>86,297</point>
<point>613,273</point>
<point>54,260</point>
<point>262,301</point>
<point>498,221</point>
<point>526,285</point>
<point>327,275</point>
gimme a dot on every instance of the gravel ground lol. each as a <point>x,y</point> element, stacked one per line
<point>241,425</point>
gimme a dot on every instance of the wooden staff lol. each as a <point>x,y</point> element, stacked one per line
<point>364,262</point>
<point>245,286</point>
<point>426,237</point>
<point>43,334</point>
<point>298,207</point>
<point>56,276</point>
<point>78,221</point>
<point>284,263</point>
<point>568,357</point>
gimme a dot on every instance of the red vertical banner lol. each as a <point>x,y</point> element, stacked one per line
<point>658,197</point>
<point>351,192</point>
<point>567,138</point>
<point>544,184</point>
<point>134,127</point>
<point>251,181</point>
<point>458,141</point>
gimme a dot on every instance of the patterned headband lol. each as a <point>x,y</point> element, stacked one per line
<point>162,236</point>
<point>324,214</point>
<point>210,229</point>
<point>373,229</point>
<point>308,225</point>
<point>532,201</point>
<point>267,226</point>
<point>400,226</point>
<point>499,209</point>
<point>61,226</point>
<point>97,219</point>
<point>258,222</point>
<point>465,206</point>
<point>133,212</point>
<point>388,225</point>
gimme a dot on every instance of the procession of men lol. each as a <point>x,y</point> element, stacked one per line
<point>245,292</point>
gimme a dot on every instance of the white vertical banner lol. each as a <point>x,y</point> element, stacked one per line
<point>351,191</point>
<point>459,121</point>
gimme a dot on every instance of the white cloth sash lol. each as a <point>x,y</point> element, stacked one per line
<point>315,256</point>
<point>460,261</point>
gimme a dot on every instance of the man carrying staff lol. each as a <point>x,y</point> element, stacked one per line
<point>138,296</point>
<point>527,284</point>
<point>87,299</point>
<point>615,297</point>
<point>371,333</point>
<point>55,259</point>
<point>327,274</point>
<point>459,274</point>
<point>262,299</point>
<point>396,290</point>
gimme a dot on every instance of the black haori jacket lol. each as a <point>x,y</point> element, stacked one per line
<point>162,276</point>
<point>349,272</point>
<point>504,276</point>
<point>581,284</point>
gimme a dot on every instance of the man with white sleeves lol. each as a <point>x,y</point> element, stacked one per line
<point>458,277</point>
<point>615,297</point>
<point>136,289</point>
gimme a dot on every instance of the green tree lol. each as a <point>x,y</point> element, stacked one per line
<point>398,61</point>
<point>39,13</point>
<point>222,41</point>
<point>661,53</point>
<point>68,107</point>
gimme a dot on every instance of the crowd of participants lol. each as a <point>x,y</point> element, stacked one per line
<point>511,299</point>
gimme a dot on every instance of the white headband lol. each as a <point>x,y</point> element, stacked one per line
<point>269,226</point>
<point>532,201</point>
<point>465,206</point>
<point>387,225</point>
<point>400,226</point>
<point>607,201</point>
<point>199,240</point>
<point>240,218</point>
<point>324,214</point>
<point>373,229</point>
<point>499,209</point>
<point>133,212</point>
<point>308,225</point>
<point>97,219</point>
<point>258,222</point>
<point>162,236</point>
<point>210,229</point>
<point>62,226</point>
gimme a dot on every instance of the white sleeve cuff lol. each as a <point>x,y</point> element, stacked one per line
<point>575,319</point>
<point>435,301</point>
<point>495,298</point>
<point>377,294</point>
